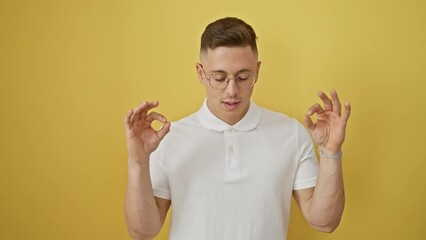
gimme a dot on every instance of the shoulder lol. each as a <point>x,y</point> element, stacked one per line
<point>270,117</point>
<point>190,121</point>
<point>280,122</point>
<point>184,126</point>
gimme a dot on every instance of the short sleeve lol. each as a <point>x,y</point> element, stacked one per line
<point>307,167</point>
<point>159,179</point>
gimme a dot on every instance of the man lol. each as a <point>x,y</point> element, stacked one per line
<point>229,170</point>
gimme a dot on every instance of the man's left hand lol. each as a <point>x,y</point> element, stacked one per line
<point>328,132</point>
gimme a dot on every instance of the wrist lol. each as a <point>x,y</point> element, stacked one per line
<point>137,169</point>
<point>330,149</point>
<point>335,153</point>
<point>136,162</point>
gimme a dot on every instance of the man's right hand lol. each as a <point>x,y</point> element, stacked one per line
<point>142,139</point>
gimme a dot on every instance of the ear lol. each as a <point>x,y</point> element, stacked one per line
<point>258,69</point>
<point>200,73</point>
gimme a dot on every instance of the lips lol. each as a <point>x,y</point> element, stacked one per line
<point>231,105</point>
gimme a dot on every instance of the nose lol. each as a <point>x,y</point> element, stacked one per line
<point>232,89</point>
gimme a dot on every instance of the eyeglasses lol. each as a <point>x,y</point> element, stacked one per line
<point>220,81</point>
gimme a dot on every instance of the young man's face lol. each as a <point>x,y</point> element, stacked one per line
<point>231,103</point>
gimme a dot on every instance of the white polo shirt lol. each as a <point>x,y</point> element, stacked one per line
<point>232,182</point>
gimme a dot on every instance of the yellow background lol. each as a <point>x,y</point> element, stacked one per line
<point>70,70</point>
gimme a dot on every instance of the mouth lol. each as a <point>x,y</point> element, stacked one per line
<point>231,105</point>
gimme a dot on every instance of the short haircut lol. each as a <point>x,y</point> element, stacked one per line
<point>228,32</point>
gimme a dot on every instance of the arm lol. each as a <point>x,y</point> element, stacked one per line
<point>323,205</point>
<point>145,213</point>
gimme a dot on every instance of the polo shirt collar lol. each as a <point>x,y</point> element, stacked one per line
<point>209,121</point>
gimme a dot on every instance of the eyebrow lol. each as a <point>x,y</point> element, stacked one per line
<point>240,71</point>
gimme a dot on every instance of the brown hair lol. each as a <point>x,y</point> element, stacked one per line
<point>228,32</point>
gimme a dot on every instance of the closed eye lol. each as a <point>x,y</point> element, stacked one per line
<point>242,77</point>
<point>219,77</point>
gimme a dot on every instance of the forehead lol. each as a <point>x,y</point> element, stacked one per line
<point>229,58</point>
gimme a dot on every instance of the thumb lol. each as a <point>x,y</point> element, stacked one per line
<point>308,123</point>
<point>164,130</point>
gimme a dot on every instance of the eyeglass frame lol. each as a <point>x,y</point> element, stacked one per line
<point>228,79</point>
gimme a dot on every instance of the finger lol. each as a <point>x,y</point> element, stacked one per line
<point>127,118</point>
<point>154,104</point>
<point>149,106</point>
<point>347,112</point>
<point>337,107</point>
<point>328,104</point>
<point>155,116</point>
<point>316,108</point>
<point>308,123</point>
<point>138,111</point>
<point>163,131</point>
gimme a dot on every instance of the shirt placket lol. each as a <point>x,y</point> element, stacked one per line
<point>232,164</point>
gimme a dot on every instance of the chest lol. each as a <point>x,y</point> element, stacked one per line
<point>232,157</point>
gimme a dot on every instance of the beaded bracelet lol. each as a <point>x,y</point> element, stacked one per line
<point>337,155</point>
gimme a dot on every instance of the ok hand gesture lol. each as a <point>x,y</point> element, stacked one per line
<point>142,139</point>
<point>328,132</point>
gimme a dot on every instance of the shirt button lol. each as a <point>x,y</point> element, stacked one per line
<point>231,149</point>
